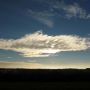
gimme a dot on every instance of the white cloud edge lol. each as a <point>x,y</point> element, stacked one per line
<point>42,45</point>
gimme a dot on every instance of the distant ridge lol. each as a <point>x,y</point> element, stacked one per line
<point>36,75</point>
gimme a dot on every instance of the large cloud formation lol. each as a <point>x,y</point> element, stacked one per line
<point>42,45</point>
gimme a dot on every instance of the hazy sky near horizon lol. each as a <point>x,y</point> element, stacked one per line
<point>45,33</point>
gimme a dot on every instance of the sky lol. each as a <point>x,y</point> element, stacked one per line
<point>45,34</point>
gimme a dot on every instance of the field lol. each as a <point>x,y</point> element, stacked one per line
<point>45,79</point>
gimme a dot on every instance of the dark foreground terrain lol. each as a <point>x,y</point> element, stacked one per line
<point>45,79</point>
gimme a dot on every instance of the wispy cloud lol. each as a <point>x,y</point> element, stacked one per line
<point>75,11</point>
<point>43,45</point>
<point>58,9</point>
<point>42,17</point>
<point>72,10</point>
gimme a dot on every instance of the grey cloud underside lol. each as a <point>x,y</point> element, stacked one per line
<point>42,45</point>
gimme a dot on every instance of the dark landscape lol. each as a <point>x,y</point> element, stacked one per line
<point>45,79</point>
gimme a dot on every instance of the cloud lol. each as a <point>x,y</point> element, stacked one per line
<point>42,45</point>
<point>75,11</point>
<point>42,17</point>
<point>58,9</point>
<point>88,16</point>
<point>72,10</point>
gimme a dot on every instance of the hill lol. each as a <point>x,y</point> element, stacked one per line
<point>45,78</point>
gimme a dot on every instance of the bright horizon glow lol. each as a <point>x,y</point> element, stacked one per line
<point>26,65</point>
